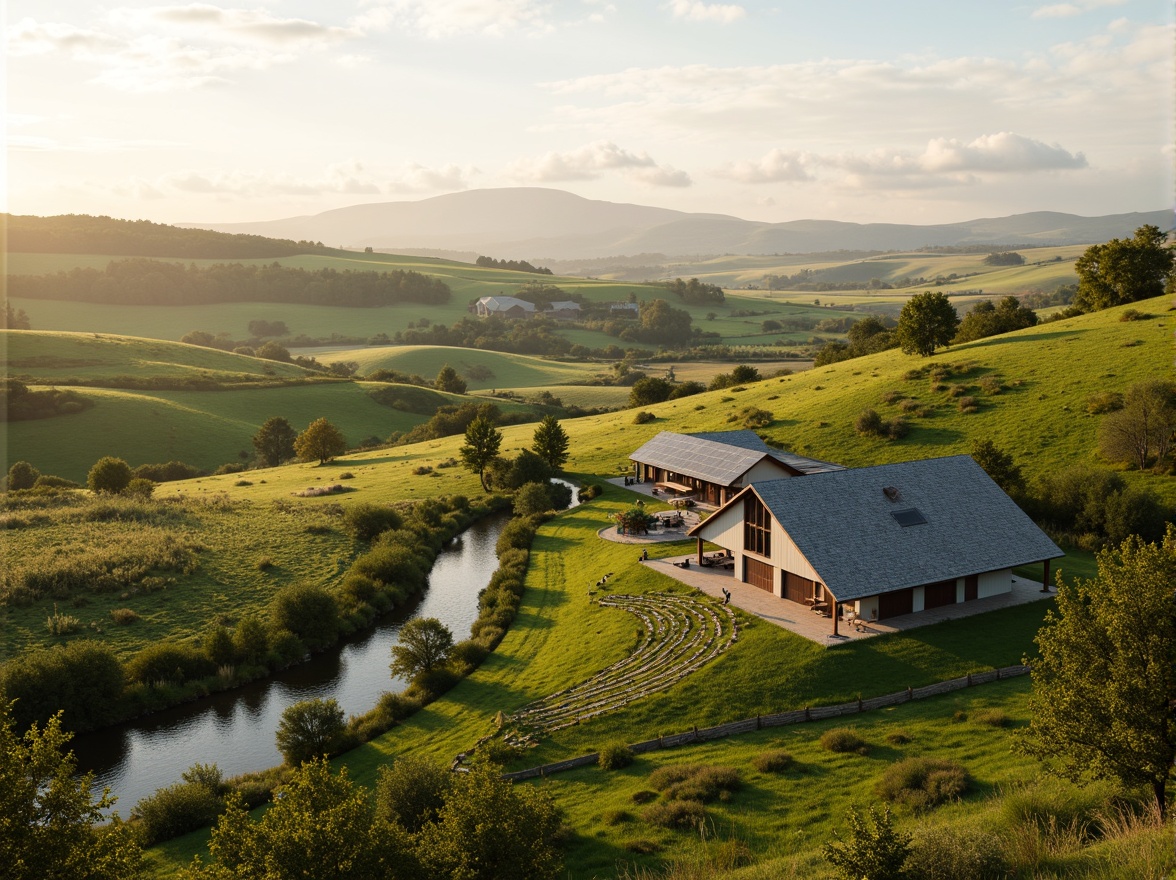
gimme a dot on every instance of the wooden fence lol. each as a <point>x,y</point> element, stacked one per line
<point>796,716</point>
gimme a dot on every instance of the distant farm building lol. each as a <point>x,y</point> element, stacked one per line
<point>875,542</point>
<point>507,306</point>
<point>565,310</point>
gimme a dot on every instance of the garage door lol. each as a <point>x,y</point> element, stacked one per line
<point>758,574</point>
<point>896,603</point>
<point>797,588</point>
<point>939,594</point>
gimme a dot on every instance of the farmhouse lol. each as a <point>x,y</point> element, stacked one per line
<point>715,466</point>
<point>568,309</point>
<point>507,306</point>
<point>881,541</point>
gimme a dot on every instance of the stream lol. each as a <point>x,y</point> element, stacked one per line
<point>235,729</point>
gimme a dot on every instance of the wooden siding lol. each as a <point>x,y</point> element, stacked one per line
<point>939,594</point>
<point>896,603</point>
<point>797,588</point>
<point>786,555</point>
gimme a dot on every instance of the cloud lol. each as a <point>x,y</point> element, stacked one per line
<point>1002,153</point>
<point>692,10</point>
<point>1068,10</point>
<point>438,19</point>
<point>166,48</point>
<point>415,178</point>
<point>776,166</point>
<point>591,161</point>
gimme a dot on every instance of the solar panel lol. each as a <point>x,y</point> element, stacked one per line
<point>909,517</point>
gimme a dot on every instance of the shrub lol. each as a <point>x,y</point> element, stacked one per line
<point>166,473</point>
<point>874,849</point>
<point>310,729</point>
<point>642,847</point>
<point>643,796</point>
<point>123,616</point>
<point>957,853</point>
<point>921,783</point>
<point>643,417</point>
<point>1104,402</point>
<point>308,611</point>
<point>891,396</point>
<point>173,662</point>
<point>614,756</point>
<point>1050,805</point>
<point>909,405</point>
<point>250,640</point>
<point>366,521</point>
<point>1133,315</point>
<point>109,475</point>
<point>185,806</point>
<point>992,718</point>
<point>898,737</point>
<point>532,498</point>
<point>968,404</point>
<point>843,740</point>
<point>22,475</point>
<point>992,385</point>
<point>61,624</point>
<point>411,792</point>
<point>84,678</point>
<point>682,815</point>
<point>756,418</point>
<point>616,817</point>
<point>868,423</point>
<point>773,762</point>
<point>695,782</point>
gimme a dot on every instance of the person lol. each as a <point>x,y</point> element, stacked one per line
<point>644,555</point>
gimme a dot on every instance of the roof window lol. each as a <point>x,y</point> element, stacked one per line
<point>912,516</point>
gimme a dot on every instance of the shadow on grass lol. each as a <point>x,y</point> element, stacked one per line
<point>1011,340</point>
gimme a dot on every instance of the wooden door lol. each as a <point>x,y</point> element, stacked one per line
<point>939,594</point>
<point>758,574</point>
<point>797,588</point>
<point>896,603</point>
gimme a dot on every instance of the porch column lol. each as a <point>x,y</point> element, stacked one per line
<point>699,551</point>
<point>1045,578</point>
<point>833,608</point>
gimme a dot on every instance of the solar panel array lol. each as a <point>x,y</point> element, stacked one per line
<point>696,457</point>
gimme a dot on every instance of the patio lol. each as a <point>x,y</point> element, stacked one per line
<point>803,621</point>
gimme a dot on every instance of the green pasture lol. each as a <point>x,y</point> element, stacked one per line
<point>61,358</point>
<point>586,396</point>
<point>507,370</point>
<point>202,428</point>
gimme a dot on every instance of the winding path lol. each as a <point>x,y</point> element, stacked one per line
<point>682,633</point>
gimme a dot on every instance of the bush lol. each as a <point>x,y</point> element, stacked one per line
<point>366,521</point>
<point>166,473</point>
<point>868,423</point>
<point>968,404</point>
<point>172,662</point>
<point>83,678</point>
<point>695,782</point>
<point>123,616</point>
<point>310,729</point>
<point>898,737</point>
<point>643,417</point>
<point>532,498</point>
<point>22,475</point>
<point>896,428</point>
<point>921,783</point>
<point>185,806</point>
<point>109,475</point>
<point>843,740</point>
<point>957,853</point>
<point>614,756</point>
<point>992,718</point>
<point>411,792</point>
<point>588,492</point>
<point>250,640</point>
<point>1104,402</point>
<point>874,850</point>
<point>308,611</point>
<point>684,815</point>
<point>773,762</point>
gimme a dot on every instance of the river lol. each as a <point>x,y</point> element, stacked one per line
<point>235,729</point>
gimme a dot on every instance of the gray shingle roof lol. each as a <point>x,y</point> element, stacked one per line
<point>751,440</point>
<point>841,521</point>
<point>698,457</point>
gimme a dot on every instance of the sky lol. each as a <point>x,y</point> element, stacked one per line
<point>904,111</point>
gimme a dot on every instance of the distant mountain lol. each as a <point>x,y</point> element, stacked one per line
<point>533,223</point>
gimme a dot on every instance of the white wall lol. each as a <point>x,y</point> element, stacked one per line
<point>725,529</point>
<point>994,583</point>
<point>786,555</point>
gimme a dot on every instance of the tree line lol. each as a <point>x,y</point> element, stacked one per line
<point>152,282</point>
<point>86,234</point>
<point>513,265</point>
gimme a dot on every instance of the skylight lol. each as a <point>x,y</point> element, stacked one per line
<point>909,517</point>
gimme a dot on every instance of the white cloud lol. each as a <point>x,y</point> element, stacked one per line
<point>693,10</point>
<point>591,161</point>
<point>1003,152</point>
<point>1068,10</point>
<point>415,178</point>
<point>232,25</point>
<point>775,167</point>
<point>448,18</point>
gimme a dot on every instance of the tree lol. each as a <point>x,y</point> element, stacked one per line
<point>16,320</point>
<point>550,443</point>
<point>989,319</point>
<point>999,465</point>
<point>1143,427</point>
<point>449,380</point>
<point>649,390</point>
<point>274,441</point>
<point>199,337</point>
<point>1124,270</point>
<point>48,815</point>
<point>319,826</point>
<point>321,440</point>
<point>272,351</point>
<point>481,447</point>
<point>532,498</point>
<point>22,475</point>
<point>874,851</point>
<point>109,475</point>
<point>423,645</point>
<point>490,829</point>
<point>926,322</point>
<point>310,729</point>
<point>662,323</point>
<point>1104,680</point>
<point>411,792</point>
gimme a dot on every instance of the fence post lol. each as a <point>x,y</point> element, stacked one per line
<point>969,679</point>
<point>807,717</point>
<point>910,693</point>
<point>859,702</point>
<point>998,673</point>
<point>757,721</point>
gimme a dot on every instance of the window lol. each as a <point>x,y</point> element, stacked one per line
<point>757,526</point>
